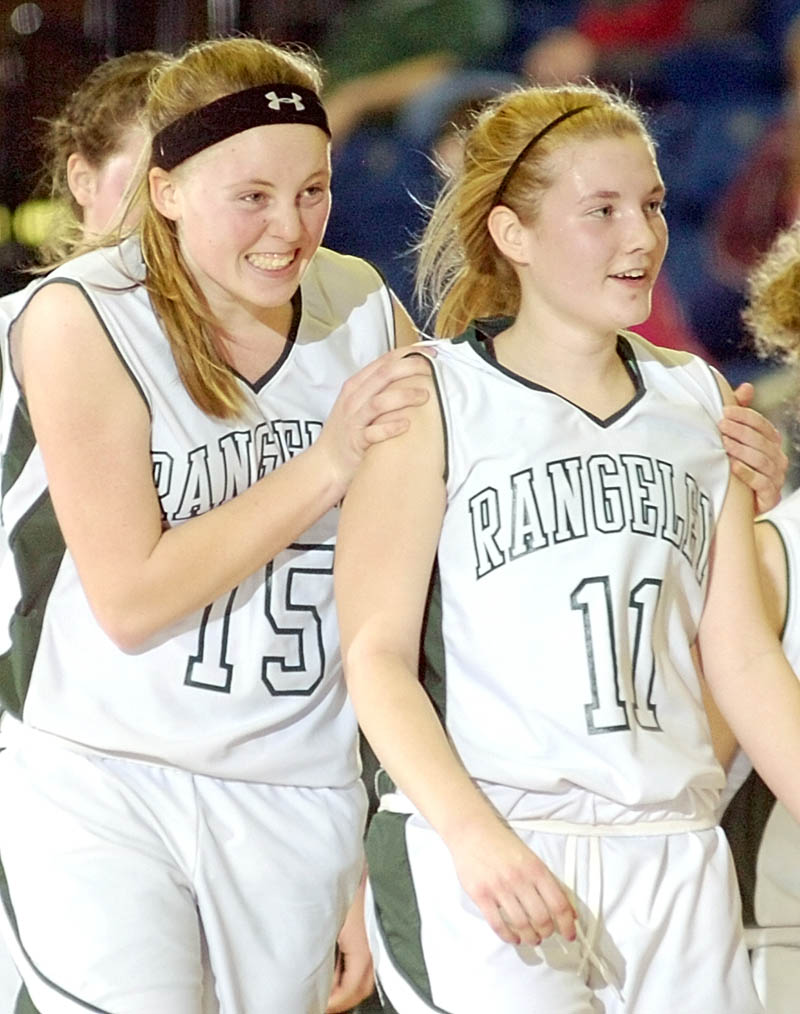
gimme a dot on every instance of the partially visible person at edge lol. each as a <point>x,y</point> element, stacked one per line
<point>191,403</point>
<point>764,836</point>
<point>89,153</point>
<point>557,527</point>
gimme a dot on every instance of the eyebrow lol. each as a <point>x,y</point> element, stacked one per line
<point>256,181</point>
<point>609,195</point>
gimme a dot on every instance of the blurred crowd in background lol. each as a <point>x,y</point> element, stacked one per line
<point>720,79</point>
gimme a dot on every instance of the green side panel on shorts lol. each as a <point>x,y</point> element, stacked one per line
<point>24,1004</point>
<point>433,663</point>
<point>38,548</point>
<point>744,822</point>
<point>395,897</point>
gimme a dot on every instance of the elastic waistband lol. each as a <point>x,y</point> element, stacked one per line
<point>394,802</point>
<point>678,825</point>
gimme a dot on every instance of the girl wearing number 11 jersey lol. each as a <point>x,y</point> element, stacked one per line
<point>560,527</point>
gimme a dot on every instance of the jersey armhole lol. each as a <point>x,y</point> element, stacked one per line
<point>442,410</point>
<point>85,292</point>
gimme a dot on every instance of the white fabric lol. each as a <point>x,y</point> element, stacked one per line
<point>573,565</point>
<point>653,933</point>
<point>261,663</point>
<point>114,859</point>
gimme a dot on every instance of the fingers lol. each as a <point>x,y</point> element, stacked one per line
<point>739,419</point>
<point>391,366</point>
<point>377,388</point>
<point>386,427</point>
<point>757,458</point>
<point>533,910</point>
<point>744,394</point>
<point>766,493</point>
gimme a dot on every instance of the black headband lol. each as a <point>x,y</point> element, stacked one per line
<point>253,107</point>
<point>498,197</point>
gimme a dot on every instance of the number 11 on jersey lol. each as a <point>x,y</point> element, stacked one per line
<point>610,710</point>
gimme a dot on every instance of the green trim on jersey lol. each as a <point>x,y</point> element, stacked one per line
<point>21,443</point>
<point>433,658</point>
<point>395,897</point>
<point>38,548</point>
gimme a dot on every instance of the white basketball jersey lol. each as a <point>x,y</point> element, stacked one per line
<point>786,520</point>
<point>570,580</point>
<point>777,884</point>
<point>249,687</point>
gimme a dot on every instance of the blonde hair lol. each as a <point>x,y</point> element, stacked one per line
<point>772,313</point>
<point>461,274</point>
<point>205,72</point>
<point>93,123</point>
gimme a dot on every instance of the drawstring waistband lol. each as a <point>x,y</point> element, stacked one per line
<point>394,802</point>
<point>572,831</point>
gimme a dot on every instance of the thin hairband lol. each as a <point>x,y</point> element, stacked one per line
<point>266,104</point>
<point>498,197</point>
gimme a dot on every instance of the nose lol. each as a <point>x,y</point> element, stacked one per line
<point>284,221</point>
<point>646,231</point>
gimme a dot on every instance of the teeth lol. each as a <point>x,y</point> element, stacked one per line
<point>630,274</point>
<point>270,262</point>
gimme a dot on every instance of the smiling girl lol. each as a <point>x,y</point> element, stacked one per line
<point>180,755</point>
<point>560,527</point>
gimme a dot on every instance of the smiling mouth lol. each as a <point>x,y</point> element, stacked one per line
<point>270,262</point>
<point>635,276</point>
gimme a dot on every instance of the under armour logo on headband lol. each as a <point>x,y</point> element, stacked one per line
<point>285,103</point>
<point>275,101</point>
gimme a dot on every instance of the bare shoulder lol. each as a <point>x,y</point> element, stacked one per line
<point>58,333</point>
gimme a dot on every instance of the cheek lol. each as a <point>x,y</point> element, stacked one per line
<point>113,183</point>
<point>317,221</point>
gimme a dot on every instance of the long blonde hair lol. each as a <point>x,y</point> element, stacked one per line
<point>205,72</point>
<point>461,275</point>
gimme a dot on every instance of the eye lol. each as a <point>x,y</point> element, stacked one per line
<point>254,197</point>
<point>656,206</point>
<point>602,212</point>
<point>313,194</point>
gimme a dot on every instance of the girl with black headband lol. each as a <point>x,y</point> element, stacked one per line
<point>560,529</point>
<point>180,755</point>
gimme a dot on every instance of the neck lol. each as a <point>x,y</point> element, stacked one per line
<point>587,371</point>
<point>255,343</point>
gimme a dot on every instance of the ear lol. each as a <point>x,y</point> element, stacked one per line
<point>508,234</point>
<point>81,179</point>
<point>164,193</point>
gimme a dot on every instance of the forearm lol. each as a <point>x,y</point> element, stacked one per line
<point>408,738</point>
<point>761,703</point>
<point>187,566</point>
